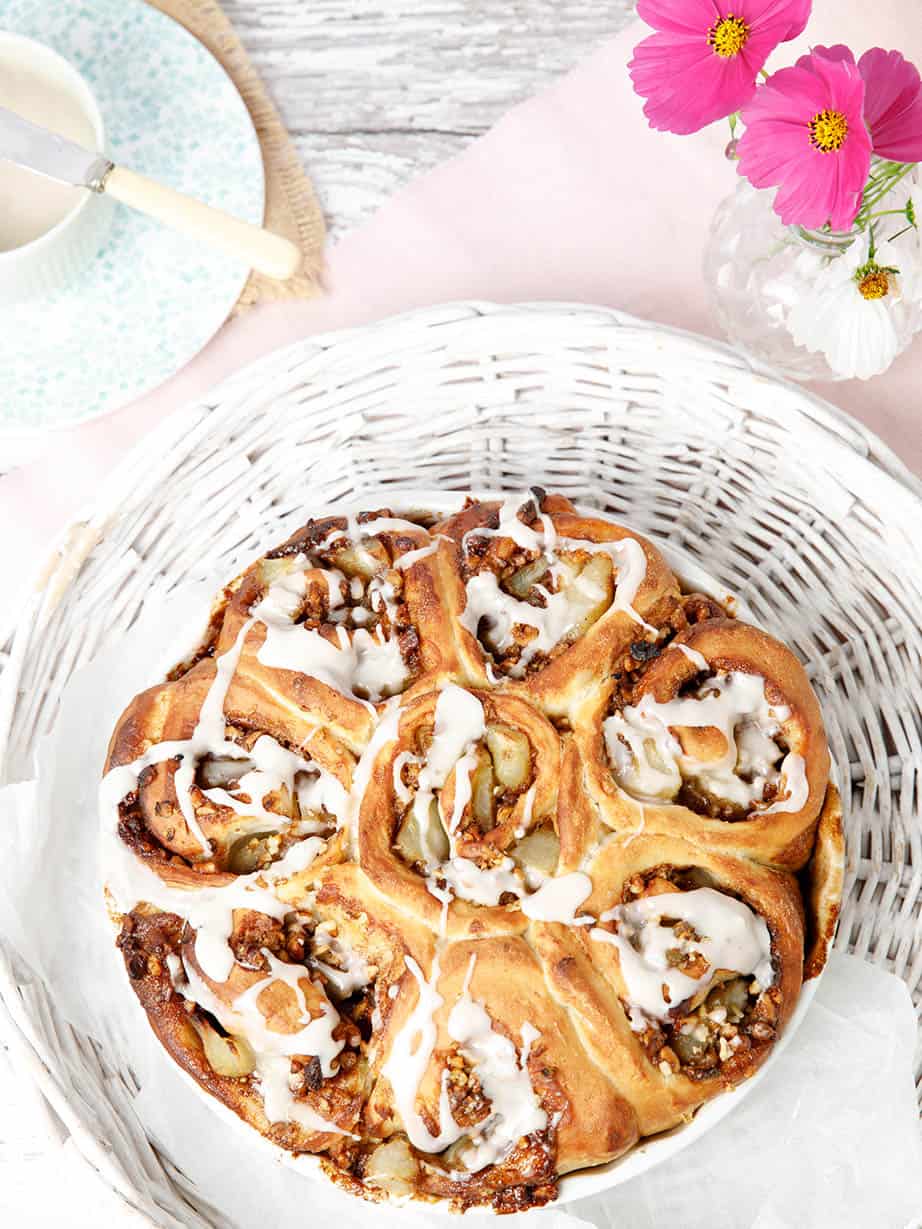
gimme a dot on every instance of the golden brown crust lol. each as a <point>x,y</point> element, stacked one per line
<point>362,897</point>
<point>824,875</point>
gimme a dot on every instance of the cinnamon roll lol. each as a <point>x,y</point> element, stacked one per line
<point>473,818</point>
<point>464,854</point>
<point>205,788</point>
<point>344,614</point>
<point>689,973</point>
<point>548,599</point>
<point>719,737</point>
<point>274,1012</point>
<point>500,1098</point>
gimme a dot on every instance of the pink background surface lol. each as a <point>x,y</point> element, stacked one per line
<point>570,197</point>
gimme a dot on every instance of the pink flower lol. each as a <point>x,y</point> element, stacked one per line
<point>702,63</point>
<point>805,134</point>
<point>892,102</point>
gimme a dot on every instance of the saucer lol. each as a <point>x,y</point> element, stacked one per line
<point>151,299</point>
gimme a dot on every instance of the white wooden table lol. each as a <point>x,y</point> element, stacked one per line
<point>375,91</point>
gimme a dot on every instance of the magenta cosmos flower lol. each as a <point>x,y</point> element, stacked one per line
<point>701,64</point>
<point>892,101</point>
<point>805,134</point>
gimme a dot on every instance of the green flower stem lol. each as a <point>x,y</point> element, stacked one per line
<point>881,183</point>
<point>884,180</point>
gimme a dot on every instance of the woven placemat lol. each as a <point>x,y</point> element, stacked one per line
<point>292,208</point>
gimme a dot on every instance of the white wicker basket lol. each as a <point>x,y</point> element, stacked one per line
<point>790,504</point>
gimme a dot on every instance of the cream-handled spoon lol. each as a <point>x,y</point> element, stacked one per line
<point>48,154</point>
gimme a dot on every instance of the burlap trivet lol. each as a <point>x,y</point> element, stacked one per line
<point>291,205</point>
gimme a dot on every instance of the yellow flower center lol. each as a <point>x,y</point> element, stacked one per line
<point>828,130</point>
<point>728,36</point>
<point>875,285</point>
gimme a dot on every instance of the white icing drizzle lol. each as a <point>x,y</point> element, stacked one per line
<point>274,766</point>
<point>280,1104</point>
<point>351,973</point>
<point>514,1108</point>
<point>528,807</point>
<point>529,1036</point>
<point>423,552</point>
<point>274,1050</point>
<point>282,599</point>
<point>511,526</point>
<point>404,794</point>
<point>209,910</point>
<point>794,771</point>
<point>366,661</point>
<point>459,724</point>
<point>463,769</point>
<point>485,598</point>
<point>480,885</point>
<point>413,1045</point>
<point>733,937</point>
<point>381,524</point>
<point>564,609</point>
<point>406,1064</point>
<point>363,660</point>
<point>696,658</point>
<point>358,533</point>
<point>277,768</point>
<point>334,579</point>
<point>243,1016</point>
<point>385,732</point>
<point>558,898</point>
<point>555,899</point>
<point>649,762</point>
<point>208,737</point>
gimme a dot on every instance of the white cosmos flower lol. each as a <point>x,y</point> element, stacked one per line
<point>854,323</point>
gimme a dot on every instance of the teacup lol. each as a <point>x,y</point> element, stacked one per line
<point>49,232</point>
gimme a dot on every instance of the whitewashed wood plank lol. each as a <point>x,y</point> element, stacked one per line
<point>336,66</point>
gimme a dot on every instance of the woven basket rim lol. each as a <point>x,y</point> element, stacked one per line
<point>824,412</point>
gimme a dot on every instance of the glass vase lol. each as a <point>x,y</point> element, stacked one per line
<point>757,269</point>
